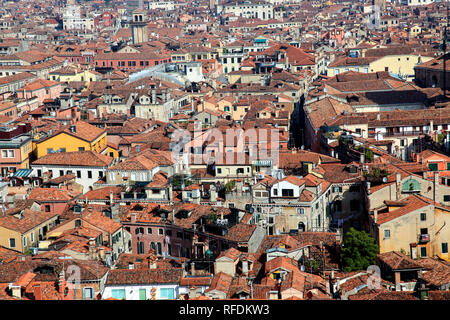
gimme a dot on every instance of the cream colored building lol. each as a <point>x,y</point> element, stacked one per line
<point>414,225</point>
<point>23,230</point>
<point>247,9</point>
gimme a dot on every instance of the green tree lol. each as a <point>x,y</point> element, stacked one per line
<point>441,138</point>
<point>359,250</point>
<point>230,185</point>
<point>211,217</point>
<point>369,155</point>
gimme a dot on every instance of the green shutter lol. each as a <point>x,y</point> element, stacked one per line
<point>142,294</point>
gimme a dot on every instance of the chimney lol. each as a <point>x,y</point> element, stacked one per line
<point>245,267</point>
<point>92,249</point>
<point>375,215</point>
<point>192,268</point>
<point>131,266</point>
<point>362,157</point>
<point>213,193</point>
<point>133,217</point>
<point>154,96</point>
<point>436,187</point>
<point>37,290</point>
<point>397,183</point>
<point>61,282</point>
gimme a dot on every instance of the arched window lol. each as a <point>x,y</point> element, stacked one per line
<point>301,227</point>
<point>140,247</point>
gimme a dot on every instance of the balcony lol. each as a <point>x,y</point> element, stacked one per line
<point>424,238</point>
<point>402,133</point>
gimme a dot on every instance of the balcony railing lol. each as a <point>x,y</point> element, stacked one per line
<point>424,238</point>
<point>402,133</point>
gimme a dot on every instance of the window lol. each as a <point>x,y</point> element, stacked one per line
<point>149,230</point>
<point>167,293</point>
<point>80,148</point>
<point>88,293</point>
<point>90,174</point>
<point>433,166</point>
<point>423,216</point>
<point>118,293</point>
<point>444,247</point>
<point>159,248</point>
<point>287,192</point>
<point>47,208</point>
<point>387,234</point>
<point>160,232</point>
<point>32,237</point>
<point>12,243</point>
<point>219,170</point>
<point>423,252</point>
<point>447,198</point>
<point>78,174</point>
<point>24,241</point>
<point>61,172</point>
<point>300,210</point>
<point>140,247</point>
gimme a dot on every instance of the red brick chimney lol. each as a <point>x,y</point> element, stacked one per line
<point>37,292</point>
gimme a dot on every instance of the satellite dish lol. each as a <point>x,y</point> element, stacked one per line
<point>384,179</point>
<point>252,210</point>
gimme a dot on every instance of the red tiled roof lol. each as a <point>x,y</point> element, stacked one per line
<point>78,158</point>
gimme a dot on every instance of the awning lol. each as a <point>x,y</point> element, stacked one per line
<point>54,234</point>
<point>22,173</point>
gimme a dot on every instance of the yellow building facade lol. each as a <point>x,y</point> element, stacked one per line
<point>66,141</point>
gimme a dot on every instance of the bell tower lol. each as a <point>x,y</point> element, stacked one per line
<point>139,28</point>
